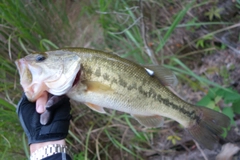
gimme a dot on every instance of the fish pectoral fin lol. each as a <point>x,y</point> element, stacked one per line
<point>151,121</point>
<point>95,86</point>
<point>96,108</point>
<point>165,75</point>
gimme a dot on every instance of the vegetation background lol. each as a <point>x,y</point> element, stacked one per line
<point>198,40</point>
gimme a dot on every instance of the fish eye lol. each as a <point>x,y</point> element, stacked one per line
<point>40,58</point>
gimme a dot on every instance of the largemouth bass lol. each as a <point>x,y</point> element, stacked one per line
<point>103,80</point>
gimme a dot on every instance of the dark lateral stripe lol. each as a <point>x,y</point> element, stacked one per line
<point>148,94</point>
<point>181,109</point>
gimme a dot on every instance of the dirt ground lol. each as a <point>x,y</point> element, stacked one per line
<point>210,65</point>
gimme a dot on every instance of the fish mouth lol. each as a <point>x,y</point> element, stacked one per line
<point>25,76</point>
<point>33,86</point>
<point>26,79</point>
<point>20,66</point>
<point>24,72</point>
<point>77,78</point>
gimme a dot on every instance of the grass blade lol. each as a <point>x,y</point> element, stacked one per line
<point>173,26</point>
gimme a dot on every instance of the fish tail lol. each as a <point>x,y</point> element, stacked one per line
<point>208,127</point>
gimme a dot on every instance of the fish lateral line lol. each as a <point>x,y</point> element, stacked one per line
<point>99,79</point>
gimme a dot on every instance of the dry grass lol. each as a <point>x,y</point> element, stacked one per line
<point>156,32</point>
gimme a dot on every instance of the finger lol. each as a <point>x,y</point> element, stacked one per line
<point>54,102</point>
<point>46,117</point>
<point>41,103</point>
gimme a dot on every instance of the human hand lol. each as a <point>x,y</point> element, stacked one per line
<point>57,129</point>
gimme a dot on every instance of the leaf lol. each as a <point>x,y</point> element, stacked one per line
<point>214,12</point>
<point>212,92</point>
<point>225,132</point>
<point>173,138</point>
<point>236,107</point>
<point>228,97</point>
<point>229,112</point>
<point>200,43</point>
<point>169,137</point>
<point>211,105</point>
<point>217,99</point>
<point>204,101</point>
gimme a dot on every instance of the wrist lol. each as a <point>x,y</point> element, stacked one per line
<point>36,146</point>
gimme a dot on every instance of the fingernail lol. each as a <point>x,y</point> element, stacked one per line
<point>45,117</point>
<point>40,109</point>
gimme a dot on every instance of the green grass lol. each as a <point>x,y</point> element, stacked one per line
<point>115,26</point>
<point>25,27</point>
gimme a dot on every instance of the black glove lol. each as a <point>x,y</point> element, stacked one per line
<point>57,129</point>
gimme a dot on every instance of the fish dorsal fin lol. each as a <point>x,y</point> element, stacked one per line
<point>166,76</point>
<point>151,121</point>
<point>96,108</point>
<point>96,86</point>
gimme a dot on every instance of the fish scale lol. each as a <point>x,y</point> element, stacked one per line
<point>109,81</point>
<point>146,86</point>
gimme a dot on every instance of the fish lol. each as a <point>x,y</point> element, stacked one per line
<point>105,80</point>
